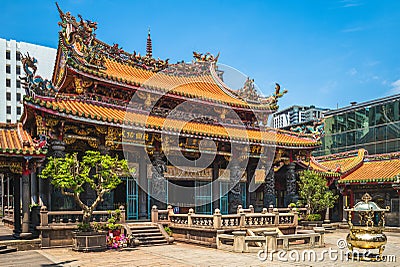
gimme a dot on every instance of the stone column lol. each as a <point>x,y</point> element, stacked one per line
<point>58,151</point>
<point>34,199</point>
<point>235,195</point>
<point>143,183</point>
<point>43,187</point>
<point>291,195</point>
<point>26,200</point>
<point>17,205</point>
<point>2,193</point>
<point>8,192</point>
<point>269,189</point>
<point>216,186</point>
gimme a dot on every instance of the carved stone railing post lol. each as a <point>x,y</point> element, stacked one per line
<point>270,208</point>
<point>276,212</point>
<point>189,222</point>
<point>251,208</point>
<point>154,214</point>
<point>170,212</point>
<point>44,218</point>
<point>217,218</point>
<point>239,241</point>
<point>270,237</point>
<point>242,221</point>
<point>238,209</point>
<point>264,211</point>
<point>123,213</point>
<point>296,217</point>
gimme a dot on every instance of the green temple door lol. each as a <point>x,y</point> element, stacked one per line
<point>132,199</point>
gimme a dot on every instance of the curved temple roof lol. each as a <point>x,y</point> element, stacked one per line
<point>84,53</point>
<point>358,167</point>
<point>84,111</point>
<point>15,141</point>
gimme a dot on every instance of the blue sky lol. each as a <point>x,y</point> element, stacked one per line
<point>326,53</point>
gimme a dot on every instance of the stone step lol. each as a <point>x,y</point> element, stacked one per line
<point>133,226</point>
<point>4,250</point>
<point>151,237</point>
<point>152,242</point>
<point>146,234</point>
<point>139,231</point>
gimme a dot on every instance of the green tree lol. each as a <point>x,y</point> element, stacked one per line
<point>314,192</point>
<point>101,172</point>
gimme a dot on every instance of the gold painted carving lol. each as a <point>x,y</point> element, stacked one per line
<point>81,85</point>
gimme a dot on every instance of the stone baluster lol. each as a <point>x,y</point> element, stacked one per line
<point>189,218</point>
<point>217,218</point>
<point>154,214</point>
<point>123,214</point>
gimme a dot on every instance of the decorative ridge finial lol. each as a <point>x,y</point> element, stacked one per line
<point>149,46</point>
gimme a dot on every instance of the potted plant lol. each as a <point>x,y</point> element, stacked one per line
<point>101,173</point>
<point>315,194</point>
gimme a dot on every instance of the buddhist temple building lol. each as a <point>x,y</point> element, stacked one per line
<point>354,173</point>
<point>179,125</point>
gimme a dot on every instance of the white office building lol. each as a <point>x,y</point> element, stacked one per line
<point>295,115</point>
<point>11,91</point>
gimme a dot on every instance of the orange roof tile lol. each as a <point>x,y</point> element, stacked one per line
<point>205,87</point>
<point>374,171</point>
<point>341,165</point>
<point>14,140</point>
<point>119,116</point>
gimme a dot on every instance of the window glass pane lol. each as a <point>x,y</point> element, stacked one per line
<point>351,121</point>
<point>18,70</point>
<point>8,54</point>
<point>361,119</point>
<point>8,109</point>
<point>18,55</point>
<point>18,97</point>
<point>18,110</point>
<point>8,69</point>
<point>8,83</point>
<point>380,133</point>
<point>371,116</point>
<point>340,123</point>
<point>350,138</point>
<point>8,96</point>
<point>18,84</point>
<point>393,146</point>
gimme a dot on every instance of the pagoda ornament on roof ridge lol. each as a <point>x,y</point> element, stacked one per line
<point>80,39</point>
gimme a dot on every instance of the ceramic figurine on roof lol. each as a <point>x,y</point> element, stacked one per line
<point>34,84</point>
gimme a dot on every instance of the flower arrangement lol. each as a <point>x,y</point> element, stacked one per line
<point>116,241</point>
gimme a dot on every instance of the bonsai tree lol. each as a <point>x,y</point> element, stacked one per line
<point>101,172</point>
<point>315,193</point>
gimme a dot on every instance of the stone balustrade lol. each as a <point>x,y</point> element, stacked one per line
<point>56,226</point>
<point>245,218</point>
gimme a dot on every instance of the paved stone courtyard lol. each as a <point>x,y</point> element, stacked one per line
<point>185,255</point>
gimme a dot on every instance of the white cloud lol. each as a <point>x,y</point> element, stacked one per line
<point>354,29</point>
<point>395,87</point>
<point>352,72</point>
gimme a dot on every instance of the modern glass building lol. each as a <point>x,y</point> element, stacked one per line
<point>373,125</point>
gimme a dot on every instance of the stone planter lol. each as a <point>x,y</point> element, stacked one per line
<point>89,241</point>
